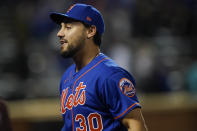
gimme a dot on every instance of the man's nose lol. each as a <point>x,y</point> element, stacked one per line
<point>60,33</point>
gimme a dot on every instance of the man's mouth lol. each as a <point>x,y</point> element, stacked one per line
<point>63,42</point>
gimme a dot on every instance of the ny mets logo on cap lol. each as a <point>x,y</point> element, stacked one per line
<point>88,18</point>
<point>127,87</point>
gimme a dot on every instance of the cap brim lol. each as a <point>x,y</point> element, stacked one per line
<point>60,17</point>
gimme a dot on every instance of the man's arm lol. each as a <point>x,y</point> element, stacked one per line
<point>134,121</point>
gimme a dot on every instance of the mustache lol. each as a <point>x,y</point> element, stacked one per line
<point>63,41</point>
<point>59,42</point>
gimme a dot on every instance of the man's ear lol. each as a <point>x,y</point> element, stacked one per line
<point>91,31</point>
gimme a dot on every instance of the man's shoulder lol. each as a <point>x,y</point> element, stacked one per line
<point>109,67</point>
<point>108,72</point>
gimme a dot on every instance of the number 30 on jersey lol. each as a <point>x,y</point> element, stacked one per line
<point>92,118</point>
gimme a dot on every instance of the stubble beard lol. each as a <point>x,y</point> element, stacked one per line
<point>72,50</point>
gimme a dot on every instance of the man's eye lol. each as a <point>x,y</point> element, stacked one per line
<point>68,27</point>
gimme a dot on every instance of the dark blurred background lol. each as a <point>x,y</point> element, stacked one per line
<point>155,40</point>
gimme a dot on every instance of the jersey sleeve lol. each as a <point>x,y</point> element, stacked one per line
<point>120,94</point>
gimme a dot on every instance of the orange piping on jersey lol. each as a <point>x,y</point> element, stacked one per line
<point>73,121</point>
<point>87,72</point>
<point>78,79</point>
<point>126,110</point>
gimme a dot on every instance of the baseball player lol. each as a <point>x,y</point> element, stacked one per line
<point>96,94</point>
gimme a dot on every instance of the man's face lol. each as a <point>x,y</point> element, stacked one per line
<point>72,38</point>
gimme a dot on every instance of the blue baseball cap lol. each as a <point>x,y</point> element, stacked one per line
<point>81,12</point>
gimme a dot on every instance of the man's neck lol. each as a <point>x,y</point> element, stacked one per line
<point>84,58</point>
